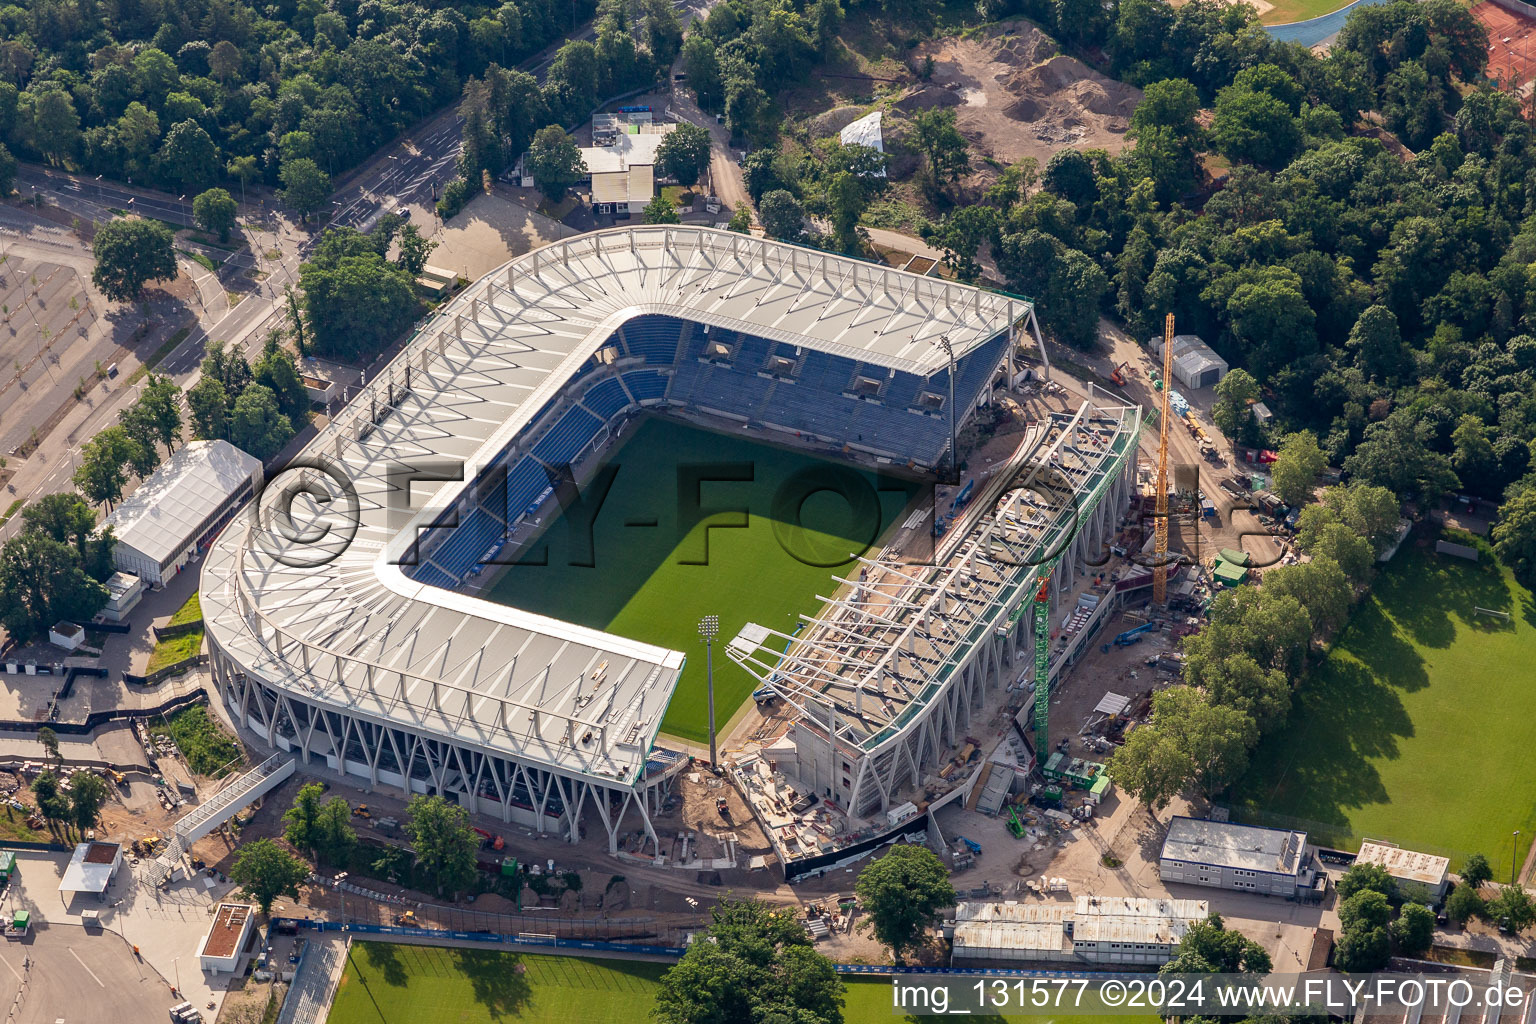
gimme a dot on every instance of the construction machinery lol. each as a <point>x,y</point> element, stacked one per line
<point>1130,636</point>
<point>1160,548</point>
<point>1014,824</point>
<point>1118,374</point>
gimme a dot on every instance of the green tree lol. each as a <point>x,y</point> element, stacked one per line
<point>1348,550</point>
<point>684,153</point>
<point>265,871</point>
<point>1366,878</point>
<point>904,893</point>
<point>145,454</point>
<point>936,137</point>
<point>301,819</point>
<point>1215,738</point>
<point>1475,872</point>
<point>755,963</point>
<point>41,582</point>
<point>1296,469</point>
<point>64,518</point>
<point>101,475</point>
<point>554,161</point>
<point>188,158</point>
<point>741,220</point>
<point>209,405</point>
<point>1363,950</point>
<point>1319,586</point>
<point>161,402</point>
<point>1152,767</point>
<point>443,842</point>
<point>960,235</point>
<point>7,173</point>
<point>1514,534</point>
<point>257,423</point>
<point>1217,951</point>
<point>660,211</point>
<point>87,796</point>
<point>50,743</point>
<point>782,215</point>
<point>130,253</point>
<point>1464,903</point>
<point>413,250</point>
<point>1512,908</point>
<point>244,170</point>
<point>1414,929</point>
<point>1235,395</point>
<point>355,301</point>
<point>306,187</point>
<point>52,801</point>
<point>215,211</point>
<point>335,837</point>
<point>1365,908</point>
<point>1254,126</point>
<point>701,63</point>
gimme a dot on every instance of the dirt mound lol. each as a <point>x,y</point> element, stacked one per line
<point>1018,96</point>
<point>826,125</point>
<point>926,97</point>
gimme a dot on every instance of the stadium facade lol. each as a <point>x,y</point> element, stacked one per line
<point>335,628</point>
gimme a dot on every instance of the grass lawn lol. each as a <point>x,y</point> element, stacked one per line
<point>386,983</point>
<point>1417,726</point>
<point>175,649</point>
<point>639,583</point>
<point>192,611</point>
<point>1286,11</point>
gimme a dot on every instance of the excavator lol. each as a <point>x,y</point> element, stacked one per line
<point>1118,374</point>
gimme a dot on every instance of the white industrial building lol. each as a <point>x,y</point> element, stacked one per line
<point>623,173</point>
<point>179,509</point>
<point>1195,364</point>
<point>1422,877</point>
<point>1118,930</point>
<point>1243,858</point>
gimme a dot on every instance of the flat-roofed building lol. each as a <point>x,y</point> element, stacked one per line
<point>91,868</point>
<point>1422,877</point>
<point>1132,929</point>
<point>181,507</point>
<point>227,937</point>
<point>1094,930</point>
<point>1012,931</point>
<point>1226,855</point>
<point>623,173</point>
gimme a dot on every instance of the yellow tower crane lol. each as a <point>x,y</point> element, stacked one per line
<point>1160,552</point>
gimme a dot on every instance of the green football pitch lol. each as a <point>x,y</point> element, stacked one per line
<point>662,554</point>
<point>386,983</point>
<point>1417,727</point>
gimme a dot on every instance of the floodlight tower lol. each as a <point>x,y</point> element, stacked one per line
<point>709,629</point>
<point>1160,526</point>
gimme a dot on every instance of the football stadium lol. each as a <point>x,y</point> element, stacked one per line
<point>485,577</point>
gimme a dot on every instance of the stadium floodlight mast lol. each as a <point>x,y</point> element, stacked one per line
<point>709,629</point>
<point>954,443</point>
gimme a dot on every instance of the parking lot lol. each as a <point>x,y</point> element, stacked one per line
<point>63,972</point>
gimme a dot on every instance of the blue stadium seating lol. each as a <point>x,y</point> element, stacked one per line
<point>430,574</point>
<point>467,543</point>
<point>645,384</point>
<point>606,398</point>
<point>653,338</point>
<point>525,482</point>
<point>568,437</point>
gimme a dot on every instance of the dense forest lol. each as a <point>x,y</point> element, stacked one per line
<point>1354,229</point>
<point>183,93</point>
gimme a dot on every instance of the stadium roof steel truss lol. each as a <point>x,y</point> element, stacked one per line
<point>879,668</point>
<point>322,614</point>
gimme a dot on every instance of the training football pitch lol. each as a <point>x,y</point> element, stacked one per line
<point>663,554</point>
<point>1418,727</point>
<point>386,983</point>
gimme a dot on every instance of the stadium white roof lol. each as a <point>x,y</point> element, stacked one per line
<point>338,621</point>
<point>158,519</point>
